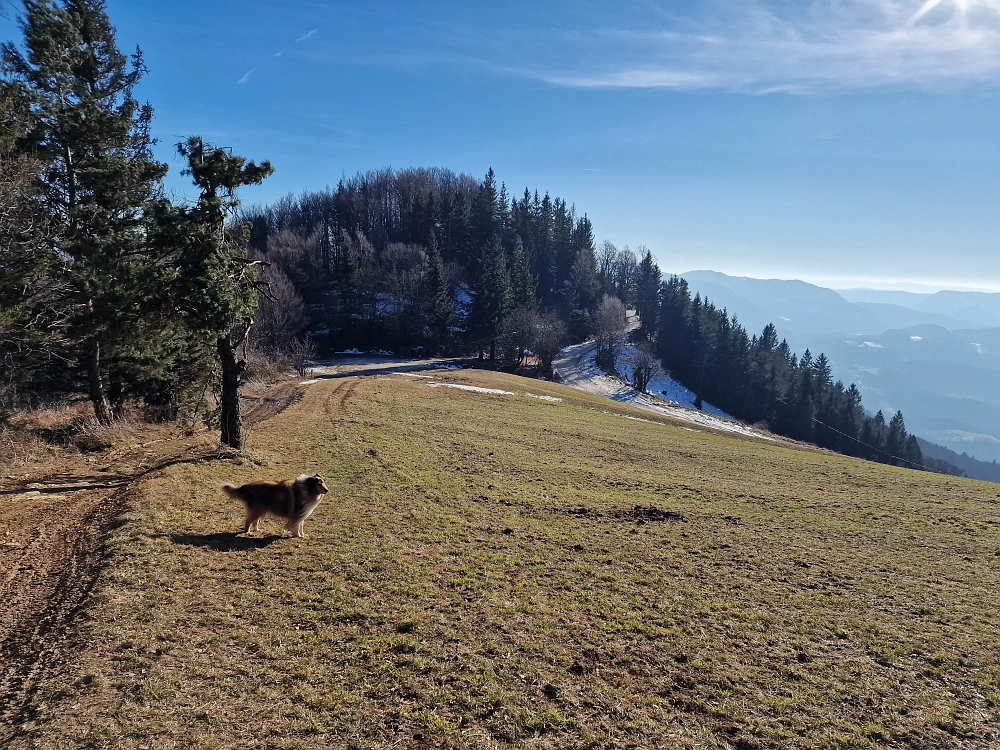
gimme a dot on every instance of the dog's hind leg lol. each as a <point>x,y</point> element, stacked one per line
<point>296,528</point>
<point>252,522</point>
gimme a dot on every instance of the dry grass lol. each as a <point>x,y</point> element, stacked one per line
<point>487,573</point>
<point>47,439</point>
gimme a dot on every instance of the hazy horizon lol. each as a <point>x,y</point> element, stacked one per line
<point>923,286</point>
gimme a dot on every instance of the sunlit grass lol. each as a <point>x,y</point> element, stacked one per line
<point>479,577</point>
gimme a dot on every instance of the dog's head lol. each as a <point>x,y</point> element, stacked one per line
<point>316,485</point>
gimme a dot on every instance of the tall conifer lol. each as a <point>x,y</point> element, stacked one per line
<point>99,176</point>
<point>492,301</point>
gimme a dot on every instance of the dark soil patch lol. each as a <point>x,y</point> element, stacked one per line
<point>649,513</point>
<point>640,513</point>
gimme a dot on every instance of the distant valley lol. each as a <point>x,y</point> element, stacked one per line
<point>936,357</point>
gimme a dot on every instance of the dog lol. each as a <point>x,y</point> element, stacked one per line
<point>293,500</point>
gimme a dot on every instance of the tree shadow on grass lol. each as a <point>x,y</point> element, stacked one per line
<point>225,541</point>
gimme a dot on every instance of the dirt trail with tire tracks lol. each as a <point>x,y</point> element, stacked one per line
<point>53,546</point>
<point>53,543</point>
<point>54,531</point>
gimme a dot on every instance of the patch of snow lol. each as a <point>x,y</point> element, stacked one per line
<point>916,338</point>
<point>474,388</point>
<point>445,366</point>
<point>869,370</point>
<point>308,382</point>
<point>496,391</point>
<point>576,368</point>
<point>372,353</point>
<point>463,294</point>
<point>666,388</point>
<point>979,348</point>
<point>319,332</point>
<point>872,345</point>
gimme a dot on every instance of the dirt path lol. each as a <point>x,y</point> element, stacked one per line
<point>53,545</point>
<point>53,530</point>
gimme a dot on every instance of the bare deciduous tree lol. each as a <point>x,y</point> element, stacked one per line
<point>550,335</point>
<point>517,335</point>
<point>643,366</point>
<point>610,325</point>
<point>281,315</point>
<point>616,270</point>
<point>302,353</point>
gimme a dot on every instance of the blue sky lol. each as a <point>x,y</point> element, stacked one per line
<point>841,141</point>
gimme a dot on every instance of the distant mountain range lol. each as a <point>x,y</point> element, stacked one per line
<point>973,468</point>
<point>936,357</point>
<point>980,309</point>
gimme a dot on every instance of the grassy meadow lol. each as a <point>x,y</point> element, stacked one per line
<point>505,571</point>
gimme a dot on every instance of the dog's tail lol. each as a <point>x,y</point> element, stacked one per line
<point>232,490</point>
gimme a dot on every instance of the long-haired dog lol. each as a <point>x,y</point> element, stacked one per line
<point>293,500</point>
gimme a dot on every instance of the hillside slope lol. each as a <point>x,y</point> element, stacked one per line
<point>509,563</point>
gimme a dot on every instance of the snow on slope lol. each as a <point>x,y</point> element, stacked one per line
<point>576,368</point>
<point>665,387</point>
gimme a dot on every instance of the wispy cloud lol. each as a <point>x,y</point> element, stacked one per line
<point>760,46</point>
<point>279,53</point>
<point>302,38</point>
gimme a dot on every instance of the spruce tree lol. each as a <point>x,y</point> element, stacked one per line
<point>895,439</point>
<point>98,175</point>
<point>521,280</point>
<point>487,211</point>
<point>492,301</point>
<point>582,293</point>
<point>647,295</point>
<point>440,302</point>
<point>29,298</point>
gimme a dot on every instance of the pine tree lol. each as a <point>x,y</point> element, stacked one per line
<point>29,296</point>
<point>647,295</point>
<point>895,439</point>
<point>521,281</point>
<point>492,301</point>
<point>219,285</point>
<point>440,302</point>
<point>99,176</point>
<point>486,211</point>
<point>582,293</point>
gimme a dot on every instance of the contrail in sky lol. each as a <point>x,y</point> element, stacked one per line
<point>300,39</point>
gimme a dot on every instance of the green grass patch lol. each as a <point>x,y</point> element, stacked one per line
<point>479,577</point>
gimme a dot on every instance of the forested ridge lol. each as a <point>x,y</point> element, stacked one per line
<point>111,290</point>
<point>377,262</point>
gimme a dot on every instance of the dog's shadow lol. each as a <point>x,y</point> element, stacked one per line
<point>225,541</point>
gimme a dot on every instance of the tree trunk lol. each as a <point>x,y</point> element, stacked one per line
<point>232,425</point>
<point>116,394</point>
<point>101,409</point>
